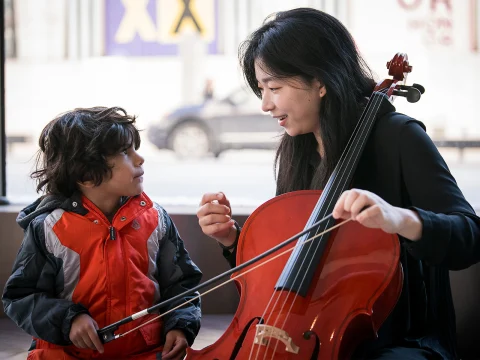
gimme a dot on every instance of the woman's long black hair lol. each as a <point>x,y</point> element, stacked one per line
<point>313,45</point>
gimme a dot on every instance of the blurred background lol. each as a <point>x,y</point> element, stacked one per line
<point>173,63</point>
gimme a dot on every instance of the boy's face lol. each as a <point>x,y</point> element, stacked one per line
<point>127,175</point>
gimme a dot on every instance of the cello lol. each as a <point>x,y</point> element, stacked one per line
<point>336,288</point>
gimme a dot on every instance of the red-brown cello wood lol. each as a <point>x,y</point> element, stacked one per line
<point>331,293</point>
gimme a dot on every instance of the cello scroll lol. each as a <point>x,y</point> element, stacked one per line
<point>399,68</point>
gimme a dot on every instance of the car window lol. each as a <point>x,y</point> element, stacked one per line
<point>239,97</point>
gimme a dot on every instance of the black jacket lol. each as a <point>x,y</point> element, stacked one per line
<point>402,165</point>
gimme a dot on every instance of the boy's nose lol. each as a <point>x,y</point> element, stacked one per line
<point>141,160</point>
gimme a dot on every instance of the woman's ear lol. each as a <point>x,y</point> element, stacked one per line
<point>323,91</point>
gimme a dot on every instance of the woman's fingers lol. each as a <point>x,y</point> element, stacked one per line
<point>214,229</point>
<point>368,215</point>
<point>213,219</point>
<point>214,216</point>
<point>368,209</point>
<point>352,202</point>
<point>219,197</point>
<point>209,197</point>
<point>212,208</point>
<point>344,202</point>
<point>361,202</point>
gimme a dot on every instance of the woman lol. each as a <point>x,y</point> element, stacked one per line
<point>305,67</point>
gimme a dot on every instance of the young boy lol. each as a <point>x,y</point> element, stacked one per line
<point>96,249</point>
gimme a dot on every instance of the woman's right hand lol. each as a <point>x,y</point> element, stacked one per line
<point>215,218</point>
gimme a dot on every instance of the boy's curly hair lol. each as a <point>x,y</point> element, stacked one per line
<point>75,145</point>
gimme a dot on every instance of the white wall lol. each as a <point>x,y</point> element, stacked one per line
<point>449,69</point>
<point>56,40</point>
<point>39,26</point>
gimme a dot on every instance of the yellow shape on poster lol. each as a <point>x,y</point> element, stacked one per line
<point>175,17</point>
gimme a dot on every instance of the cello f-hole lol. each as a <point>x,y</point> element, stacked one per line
<point>241,338</point>
<point>307,335</point>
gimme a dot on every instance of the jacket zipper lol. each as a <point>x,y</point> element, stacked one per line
<point>113,236</point>
<point>113,233</point>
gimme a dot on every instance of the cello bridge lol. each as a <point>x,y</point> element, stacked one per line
<point>265,332</point>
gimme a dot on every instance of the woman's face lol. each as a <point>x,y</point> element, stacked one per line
<point>294,103</point>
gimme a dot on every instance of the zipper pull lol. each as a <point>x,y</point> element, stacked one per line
<point>113,235</point>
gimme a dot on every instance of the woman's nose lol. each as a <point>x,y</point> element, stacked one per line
<point>267,104</point>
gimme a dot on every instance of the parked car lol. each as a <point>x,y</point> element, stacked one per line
<point>235,122</point>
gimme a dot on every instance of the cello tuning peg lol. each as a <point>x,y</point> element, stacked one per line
<point>414,94</point>
<point>419,87</point>
<point>411,93</point>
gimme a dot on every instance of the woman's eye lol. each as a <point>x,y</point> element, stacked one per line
<point>273,89</point>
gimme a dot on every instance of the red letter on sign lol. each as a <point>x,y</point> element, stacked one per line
<point>412,5</point>
<point>447,3</point>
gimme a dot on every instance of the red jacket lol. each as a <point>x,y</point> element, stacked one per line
<point>73,260</point>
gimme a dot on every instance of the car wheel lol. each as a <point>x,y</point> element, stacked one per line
<point>190,140</point>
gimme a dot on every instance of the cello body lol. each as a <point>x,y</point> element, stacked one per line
<point>354,289</point>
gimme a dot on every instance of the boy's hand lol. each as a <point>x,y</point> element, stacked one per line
<point>83,333</point>
<point>175,345</point>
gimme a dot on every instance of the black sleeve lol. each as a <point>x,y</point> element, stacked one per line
<point>178,273</point>
<point>29,294</point>
<point>231,257</point>
<point>451,230</point>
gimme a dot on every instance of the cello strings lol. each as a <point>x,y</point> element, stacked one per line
<point>279,294</point>
<point>310,245</point>
<point>362,141</point>
<point>372,109</point>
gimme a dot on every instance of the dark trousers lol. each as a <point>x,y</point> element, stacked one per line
<point>402,353</point>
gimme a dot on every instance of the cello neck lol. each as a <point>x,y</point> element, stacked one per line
<point>303,256</point>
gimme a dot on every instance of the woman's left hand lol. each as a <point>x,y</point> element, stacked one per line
<point>372,211</point>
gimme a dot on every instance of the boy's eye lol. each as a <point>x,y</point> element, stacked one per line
<point>125,152</point>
